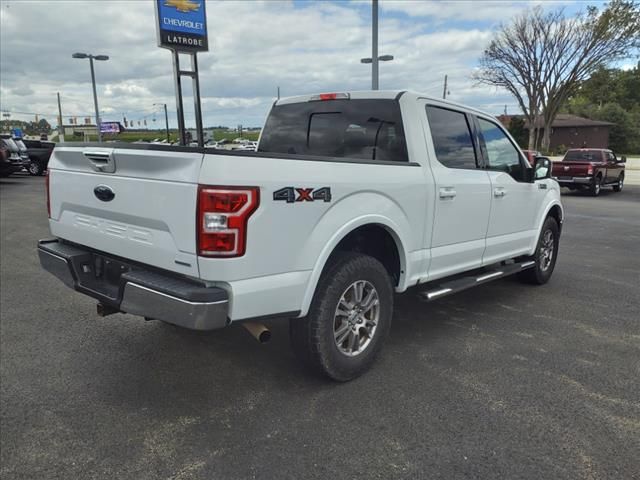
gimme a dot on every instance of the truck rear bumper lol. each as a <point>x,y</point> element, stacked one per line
<point>135,289</point>
<point>574,180</point>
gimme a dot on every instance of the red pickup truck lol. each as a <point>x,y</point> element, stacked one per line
<point>590,168</point>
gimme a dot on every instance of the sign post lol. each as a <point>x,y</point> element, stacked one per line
<point>182,28</point>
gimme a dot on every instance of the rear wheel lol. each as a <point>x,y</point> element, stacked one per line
<point>545,255</point>
<point>349,318</point>
<point>618,186</point>
<point>596,186</point>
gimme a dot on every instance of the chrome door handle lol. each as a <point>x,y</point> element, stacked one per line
<point>447,192</point>
<point>499,192</point>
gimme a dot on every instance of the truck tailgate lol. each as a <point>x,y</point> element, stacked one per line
<point>133,203</point>
<point>571,169</point>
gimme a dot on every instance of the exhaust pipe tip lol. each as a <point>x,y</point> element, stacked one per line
<point>258,331</point>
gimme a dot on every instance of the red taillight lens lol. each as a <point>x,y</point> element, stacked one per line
<point>590,170</point>
<point>46,185</point>
<point>329,96</point>
<point>221,221</point>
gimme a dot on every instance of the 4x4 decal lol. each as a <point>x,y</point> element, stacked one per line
<point>302,194</point>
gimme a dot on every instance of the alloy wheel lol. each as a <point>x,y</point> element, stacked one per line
<point>546,250</point>
<point>356,318</point>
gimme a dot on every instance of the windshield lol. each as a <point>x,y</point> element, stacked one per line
<point>583,156</point>
<point>364,129</point>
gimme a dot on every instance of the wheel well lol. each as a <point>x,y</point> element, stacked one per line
<point>376,241</point>
<point>556,213</point>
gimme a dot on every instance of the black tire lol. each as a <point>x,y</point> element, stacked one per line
<point>542,271</point>
<point>596,186</point>
<point>313,338</point>
<point>619,186</point>
<point>35,168</point>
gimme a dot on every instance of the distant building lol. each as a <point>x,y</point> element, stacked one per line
<point>570,131</point>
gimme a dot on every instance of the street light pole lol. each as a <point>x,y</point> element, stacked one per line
<point>93,83</point>
<point>374,45</point>
<point>375,58</point>
<point>95,98</point>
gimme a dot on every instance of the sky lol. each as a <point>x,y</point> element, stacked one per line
<point>254,46</point>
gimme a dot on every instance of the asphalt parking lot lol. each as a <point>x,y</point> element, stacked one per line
<point>504,381</point>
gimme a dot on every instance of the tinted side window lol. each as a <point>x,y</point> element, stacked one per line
<point>451,138</point>
<point>499,152</point>
<point>364,129</point>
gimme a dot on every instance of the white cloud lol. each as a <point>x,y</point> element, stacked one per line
<point>254,48</point>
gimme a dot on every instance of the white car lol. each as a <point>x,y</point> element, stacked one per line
<point>349,198</point>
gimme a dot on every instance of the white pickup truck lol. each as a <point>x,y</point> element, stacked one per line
<point>349,198</point>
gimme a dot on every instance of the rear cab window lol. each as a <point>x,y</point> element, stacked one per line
<point>452,139</point>
<point>366,129</point>
<point>583,156</point>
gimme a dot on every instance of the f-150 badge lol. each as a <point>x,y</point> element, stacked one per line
<point>300,194</point>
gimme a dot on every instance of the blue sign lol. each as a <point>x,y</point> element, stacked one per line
<point>182,25</point>
<point>16,132</point>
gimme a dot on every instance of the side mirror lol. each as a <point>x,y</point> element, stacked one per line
<point>541,168</point>
<point>622,159</point>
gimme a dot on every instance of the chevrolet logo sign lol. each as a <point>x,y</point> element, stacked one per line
<point>185,6</point>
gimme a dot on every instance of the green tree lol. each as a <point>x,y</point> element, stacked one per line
<point>612,95</point>
<point>541,57</point>
<point>518,131</point>
<point>622,131</point>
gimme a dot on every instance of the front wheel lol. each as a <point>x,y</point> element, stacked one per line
<point>618,186</point>
<point>545,255</point>
<point>349,318</point>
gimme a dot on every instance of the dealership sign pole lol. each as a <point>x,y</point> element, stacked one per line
<point>182,28</point>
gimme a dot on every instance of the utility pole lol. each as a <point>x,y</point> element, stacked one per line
<point>374,45</point>
<point>444,91</point>
<point>166,119</point>
<point>278,93</point>
<point>60,126</point>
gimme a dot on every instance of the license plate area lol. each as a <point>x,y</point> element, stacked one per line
<point>100,274</point>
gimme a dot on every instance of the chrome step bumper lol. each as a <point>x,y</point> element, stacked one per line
<point>134,289</point>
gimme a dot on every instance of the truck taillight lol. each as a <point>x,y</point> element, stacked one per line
<point>221,221</point>
<point>46,186</point>
<point>590,170</point>
<point>329,96</point>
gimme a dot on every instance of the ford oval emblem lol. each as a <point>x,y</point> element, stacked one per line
<point>104,193</point>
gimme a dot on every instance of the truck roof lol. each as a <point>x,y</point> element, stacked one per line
<point>379,94</point>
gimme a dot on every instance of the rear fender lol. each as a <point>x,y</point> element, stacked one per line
<point>344,217</point>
